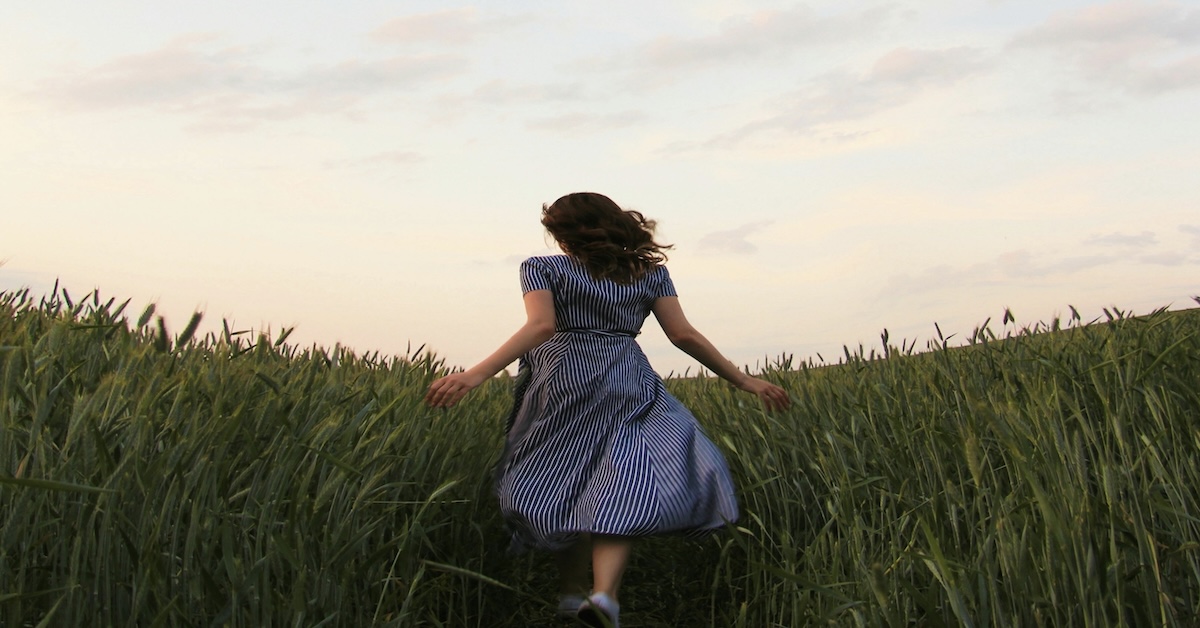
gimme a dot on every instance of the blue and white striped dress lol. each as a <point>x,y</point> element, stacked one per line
<point>595,442</point>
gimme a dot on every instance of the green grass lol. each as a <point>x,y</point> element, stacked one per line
<point>1044,477</point>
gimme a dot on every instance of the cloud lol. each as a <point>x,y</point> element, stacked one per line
<point>371,76</point>
<point>501,92</point>
<point>1018,265</point>
<point>918,68</point>
<point>938,277</point>
<point>897,78</point>
<point>176,73</point>
<point>455,27</point>
<point>1141,47</point>
<point>1141,240</point>
<point>1124,246</point>
<point>1025,267</point>
<point>1165,259</point>
<point>1131,23</point>
<point>230,87</point>
<point>1194,232</point>
<point>765,35</point>
<point>579,122</point>
<point>386,158</point>
<point>733,241</point>
<point>1022,264</point>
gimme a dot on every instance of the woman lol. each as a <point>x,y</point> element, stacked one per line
<point>598,452</point>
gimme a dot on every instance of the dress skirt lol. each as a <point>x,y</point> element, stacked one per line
<point>596,444</point>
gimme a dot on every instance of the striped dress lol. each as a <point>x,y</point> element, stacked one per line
<point>595,443</point>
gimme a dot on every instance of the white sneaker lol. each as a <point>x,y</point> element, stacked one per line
<point>568,606</point>
<point>600,611</point>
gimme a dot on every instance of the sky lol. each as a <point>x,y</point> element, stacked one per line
<point>372,173</point>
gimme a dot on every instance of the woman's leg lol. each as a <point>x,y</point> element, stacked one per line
<point>573,567</point>
<point>610,554</point>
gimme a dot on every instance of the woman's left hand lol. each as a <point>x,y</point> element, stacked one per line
<point>449,390</point>
<point>773,397</point>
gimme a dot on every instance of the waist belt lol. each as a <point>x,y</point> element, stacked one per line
<point>616,333</point>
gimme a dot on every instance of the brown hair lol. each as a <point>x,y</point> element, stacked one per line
<point>612,243</point>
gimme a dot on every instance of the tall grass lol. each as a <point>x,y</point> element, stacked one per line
<point>1045,477</point>
<point>1041,479</point>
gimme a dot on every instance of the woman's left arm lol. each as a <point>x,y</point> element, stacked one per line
<point>538,327</point>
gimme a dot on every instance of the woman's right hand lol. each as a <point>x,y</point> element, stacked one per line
<point>447,391</point>
<point>773,397</point>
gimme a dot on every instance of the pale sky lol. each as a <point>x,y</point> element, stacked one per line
<point>372,172</point>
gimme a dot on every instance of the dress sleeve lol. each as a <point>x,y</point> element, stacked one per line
<point>535,276</point>
<point>663,287</point>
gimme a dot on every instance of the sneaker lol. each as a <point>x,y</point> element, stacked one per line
<point>568,606</point>
<point>600,611</point>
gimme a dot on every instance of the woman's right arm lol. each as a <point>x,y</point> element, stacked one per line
<point>539,326</point>
<point>682,334</point>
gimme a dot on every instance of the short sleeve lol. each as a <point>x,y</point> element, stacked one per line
<point>535,275</point>
<point>663,286</point>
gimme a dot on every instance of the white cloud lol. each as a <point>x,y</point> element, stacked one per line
<point>897,78</point>
<point>377,75</point>
<point>580,122</point>
<point>176,73</point>
<point>1143,239</point>
<point>1024,265</point>
<point>1170,258</point>
<point>395,157</point>
<point>917,68</point>
<point>503,93</point>
<point>500,92</point>
<point>1194,231</point>
<point>1135,24</point>
<point>1028,268</point>
<point>763,36</point>
<point>455,27</point>
<point>733,241</point>
<point>1015,266</point>
<point>231,88</point>
<point>1141,47</point>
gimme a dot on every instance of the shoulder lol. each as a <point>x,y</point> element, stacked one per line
<point>557,264</point>
<point>658,273</point>
<point>541,272</point>
<point>544,263</point>
<point>552,261</point>
<point>545,260</point>
<point>658,281</point>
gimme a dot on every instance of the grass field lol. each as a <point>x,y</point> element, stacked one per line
<point>1040,476</point>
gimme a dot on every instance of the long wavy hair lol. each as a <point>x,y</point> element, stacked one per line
<point>612,243</point>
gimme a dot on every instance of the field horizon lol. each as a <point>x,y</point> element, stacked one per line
<point>1035,475</point>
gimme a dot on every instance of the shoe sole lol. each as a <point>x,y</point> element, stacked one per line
<point>591,616</point>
